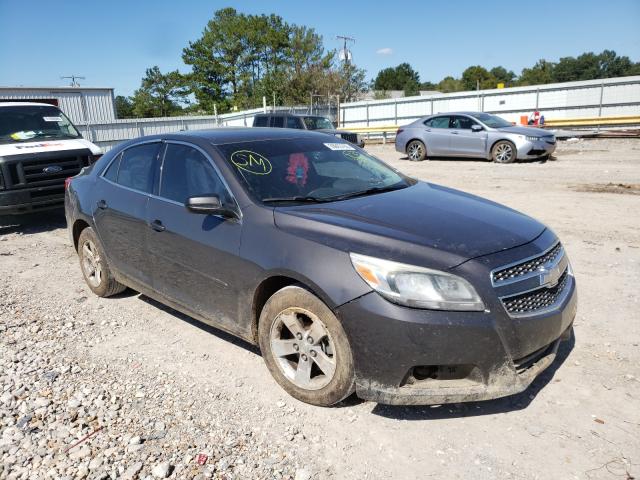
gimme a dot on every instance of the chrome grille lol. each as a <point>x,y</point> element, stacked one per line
<point>536,300</point>
<point>350,137</point>
<point>528,266</point>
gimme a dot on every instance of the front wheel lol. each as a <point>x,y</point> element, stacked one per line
<point>504,152</point>
<point>416,151</point>
<point>305,347</point>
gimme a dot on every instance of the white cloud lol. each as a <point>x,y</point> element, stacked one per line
<point>385,51</point>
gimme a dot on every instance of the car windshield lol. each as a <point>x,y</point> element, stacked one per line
<point>491,120</point>
<point>318,123</point>
<point>309,170</point>
<point>32,122</point>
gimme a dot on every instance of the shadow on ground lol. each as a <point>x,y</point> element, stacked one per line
<point>29,224</point>
<point>479,160</point>
<point>476,409</point>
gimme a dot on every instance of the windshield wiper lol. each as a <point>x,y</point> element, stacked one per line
<point>369,191</point>
<point>300,199</point>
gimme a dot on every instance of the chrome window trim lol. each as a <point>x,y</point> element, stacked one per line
<point>526,276</point>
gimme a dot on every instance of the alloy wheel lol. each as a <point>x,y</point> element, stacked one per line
<point>415,151</point>
<point>504,152</point>
<point>91,264</point>
<point>302,348</point>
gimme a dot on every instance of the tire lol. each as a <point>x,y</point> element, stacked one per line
<point>316,370</point>
<point>416,151</point>
<point>93,264</point>
<point>504,152</point>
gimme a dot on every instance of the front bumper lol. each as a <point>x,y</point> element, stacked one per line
<point>389,341</point>
<point>535,149</point>
<point>18,202</point>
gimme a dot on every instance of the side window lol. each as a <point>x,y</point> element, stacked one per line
<point>293,122</point>
<point>277,122</point>
<point>112,171</point>
<point>187,173</point>
<point>438,122</point>
<point>463,123</point>
<point>260,121</point>
<point>137,167</point>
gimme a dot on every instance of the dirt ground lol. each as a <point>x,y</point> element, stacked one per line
<point>580,419</point>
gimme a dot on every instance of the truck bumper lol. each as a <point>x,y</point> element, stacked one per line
<point>18,202</point>
<point>406,356</point>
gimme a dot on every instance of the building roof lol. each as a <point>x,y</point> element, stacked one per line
<point>49,89</point>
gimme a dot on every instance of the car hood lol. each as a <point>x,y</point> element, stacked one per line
<point>448,225</point>
<point>534,132</point>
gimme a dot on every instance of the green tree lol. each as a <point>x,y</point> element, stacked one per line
<point>124,107</point>
<point>403,77</point>
<point>539,74</point>
<point>472,75</point>
<point>502,75</point>
<point>450,84</point>
<point>160,94</point>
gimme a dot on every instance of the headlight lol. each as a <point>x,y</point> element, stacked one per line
<point>417,286</point>
<point>532,139</point>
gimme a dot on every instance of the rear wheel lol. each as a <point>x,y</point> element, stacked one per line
<point>94,266</point>
<point>416,151</point>
<point>305,348</point>
<point>503,152</point>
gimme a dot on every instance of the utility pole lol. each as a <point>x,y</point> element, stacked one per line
<point>74,80</point>
<point>346,58</point>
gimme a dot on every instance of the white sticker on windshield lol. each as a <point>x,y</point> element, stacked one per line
<point>339,146</point>
<point>52,119</point>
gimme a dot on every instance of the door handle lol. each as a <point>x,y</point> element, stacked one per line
<point>427,129</point>
<point>157,226</point>
<point>101,204</point>
<point>455,133</point>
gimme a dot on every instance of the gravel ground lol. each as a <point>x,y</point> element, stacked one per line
<point>126,388</point>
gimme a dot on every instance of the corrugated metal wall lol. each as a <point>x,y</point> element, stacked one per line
<point>590,98</point>
<point>80,105</point>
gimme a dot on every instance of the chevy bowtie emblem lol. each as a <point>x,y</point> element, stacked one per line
<point>549,278</point>
<point>52,169</point>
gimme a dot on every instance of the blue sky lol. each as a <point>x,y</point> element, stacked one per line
<point>112,42</point>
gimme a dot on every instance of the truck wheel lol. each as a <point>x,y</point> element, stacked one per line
<point>416,151</point>
<point>503,152</point>
<point>305,348</point>
<point>94,266</point>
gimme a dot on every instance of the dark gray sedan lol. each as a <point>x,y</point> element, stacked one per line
<point>349,275</point>
<point>473,134</point>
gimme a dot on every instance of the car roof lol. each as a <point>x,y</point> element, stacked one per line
<point>25,104</point>
<point>223,135</point>
<point>288,114</point>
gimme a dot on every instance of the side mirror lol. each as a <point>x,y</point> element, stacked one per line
<point>476,128</point>
<point>210,205</point>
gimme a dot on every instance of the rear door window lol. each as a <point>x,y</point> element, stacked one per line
<point>186,173</point>
<point>277,122</point>
<point>112,171</point>
<point>438,122</point>
<point>137,167</point>
<point>260,121</point>
<point>293,122</point>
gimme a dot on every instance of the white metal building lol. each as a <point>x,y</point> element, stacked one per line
<point>80,104</point>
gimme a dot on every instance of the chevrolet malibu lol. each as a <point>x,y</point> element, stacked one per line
<point>473,134</point>
<point>349,275</point>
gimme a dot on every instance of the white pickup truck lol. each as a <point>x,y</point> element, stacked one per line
<point>39,149</point>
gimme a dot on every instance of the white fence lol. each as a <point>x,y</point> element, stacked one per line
<point>590,98</point>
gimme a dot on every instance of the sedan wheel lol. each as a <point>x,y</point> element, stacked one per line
<point>305,347</point>
<point>416,151</point>
<point>91,264</point>
<point>503,152</point>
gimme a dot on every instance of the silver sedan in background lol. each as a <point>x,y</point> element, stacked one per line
<point>473,134</point>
